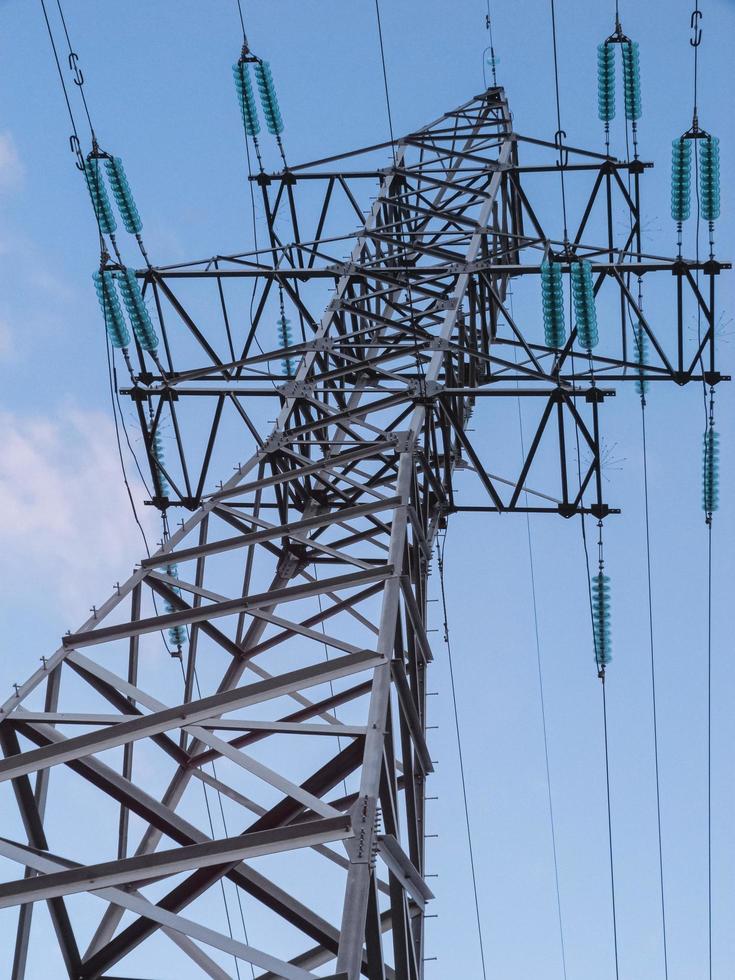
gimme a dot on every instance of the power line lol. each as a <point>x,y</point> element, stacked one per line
<point>490,48</point>
<point>403,257</point>
<point>695,43</point>
<point>542,698</point>
<point>242,20</point>
<point>61,74</point>
<point>78,77</point>
<point>601,674</point>
<point>653,686</point>
<point>559,131</point>
<point>447,640</point>
<point>609,826</point>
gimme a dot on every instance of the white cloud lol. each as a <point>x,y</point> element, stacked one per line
<point>6,340</point>
<point>64,511</point>
<point>11,168</point>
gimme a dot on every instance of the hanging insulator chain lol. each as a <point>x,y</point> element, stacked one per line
<point>115,325</point>
<point>641,357</point>
<point>98,193</point>
<point>606,82</point>
<point>138,314</point>
<point>601,624</point>
<point>632,81</point>
<point>246,98</point>
<point>160,481</point>
<point>284,336</point>
<point>584,305</point>
<point>681,179</point>
<point>711,464</point>
<point>176,634</point>
<point>552,297</point>
<point>268,98</point>
<point>123,195</point>
<point>709,183</point>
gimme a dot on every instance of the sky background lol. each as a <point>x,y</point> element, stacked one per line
<point>159,85</point>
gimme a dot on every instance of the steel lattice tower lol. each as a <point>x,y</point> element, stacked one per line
<point>324,760</point>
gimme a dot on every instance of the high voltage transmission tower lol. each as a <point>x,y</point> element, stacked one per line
<point>319,541</point>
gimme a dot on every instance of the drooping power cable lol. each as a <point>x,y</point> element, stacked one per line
<point>448,642</point>
<point>653,688</point>
<point>542,697</point>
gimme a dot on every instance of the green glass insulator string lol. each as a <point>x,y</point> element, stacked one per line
<point>269,104</point>
<point>681,184</point>
<point>109,301</point>
<point>100,200</point>
<point>158,464</point>
<point>601,621</point>
<point>584,305</point>
<point>137,310</point>
<point>552,298</point>
<point>123,195</point>
<point>710,471</point>
<point>641,357</point>
<point>285,339</point>
<point>606,86</point>
<point>632,89</point>
<point>709,184</point>
<point>177,636</point>
<point>246,98</point>
<point>268,98</point>
<point>632,81</point>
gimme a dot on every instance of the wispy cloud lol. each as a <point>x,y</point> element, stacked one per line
<point>11,167</point>
<point>63,508</point>
<point>6,340</point>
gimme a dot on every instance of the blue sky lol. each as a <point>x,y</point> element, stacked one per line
<point>159,85</point>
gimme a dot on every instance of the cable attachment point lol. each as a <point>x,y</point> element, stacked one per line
<point>75,69</point>
<point>696,39</point>
<point>76,149</point>
<point>563,159</point>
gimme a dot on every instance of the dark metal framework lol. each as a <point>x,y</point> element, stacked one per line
<point>321,542</point>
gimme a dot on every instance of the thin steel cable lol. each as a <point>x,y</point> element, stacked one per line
<point>385,78</point>
<point>212,835</point>
<point>242,21</point>
<point>604,696</point>
<point>709,743</point>
<point>696,58</point>
<point>653,687</point>
<point>542,698</point>
<point>490,48</point>
<point>118,442</point>
<point>447,641</point>
<point>72,56</point>
<point>558,119</point>
<point>649,583</point>
<point>403,260</point>
<point>58,68</point>
<point>227,834</point>
<point>709,528</point>
<point>609,825</point>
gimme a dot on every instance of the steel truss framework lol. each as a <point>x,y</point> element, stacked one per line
<point>357,473</point>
